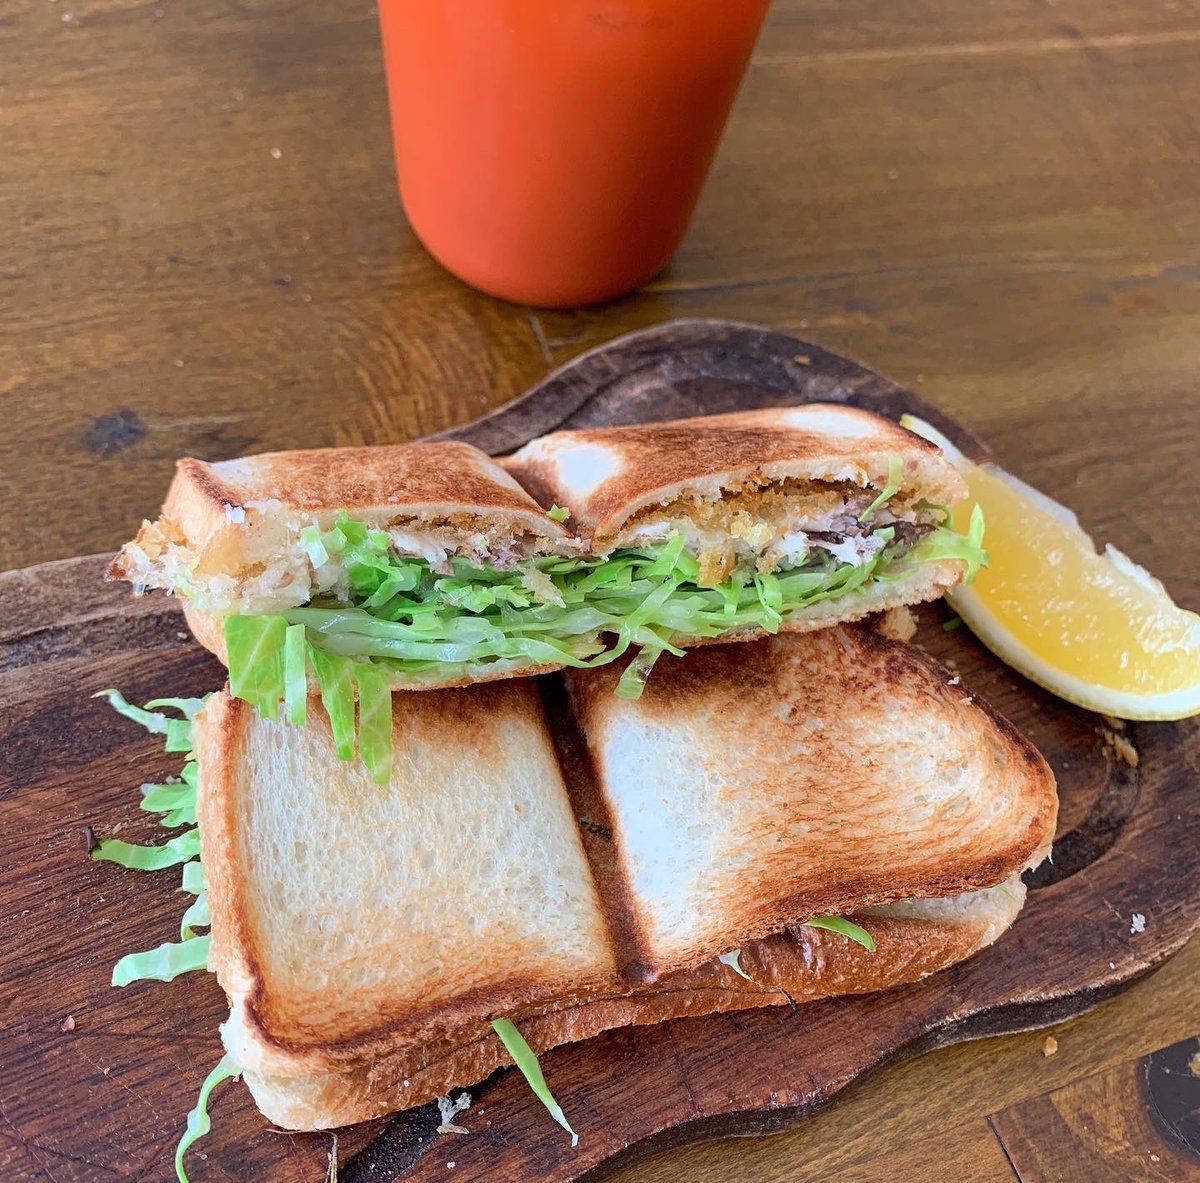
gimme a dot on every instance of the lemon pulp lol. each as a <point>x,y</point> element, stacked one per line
<point>1094,628</point>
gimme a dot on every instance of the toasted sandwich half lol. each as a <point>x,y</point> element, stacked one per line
<point>265,535</point>
<point>367,935</point>
<point>362,570</point>
<point>840,511</point>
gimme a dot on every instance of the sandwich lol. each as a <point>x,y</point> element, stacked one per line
<point>813,814</point>
<point>353,572</point>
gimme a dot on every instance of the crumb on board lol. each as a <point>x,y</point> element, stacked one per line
<point>1050,1046</point>
<point>1137,923</point>
<point>898,624</point>
<point>68,1024</point>
<point>448,1109</point>
<point>1155,1158</point>
<point>1120,746</point>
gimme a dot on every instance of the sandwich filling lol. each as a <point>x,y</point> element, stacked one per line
<point>389,610</point>
<point>355,607</point>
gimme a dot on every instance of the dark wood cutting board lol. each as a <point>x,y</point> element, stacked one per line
<point>95,1082</point>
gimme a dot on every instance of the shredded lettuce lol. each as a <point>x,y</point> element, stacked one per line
<point>310,539</point>
<point>198,1122</point>
<point>525,1059</point>
<point>895,471</point>
<point>179,735</point>
<point>733,959</point>
<point>152,721</point>
<point>946,544</point>
<point>163,964</point>
<point>196,916</point>
<point>295,675</point>
<point>193,878</point>
<point>177,803</point>
<point>188,707</point>
<point>149,858</point>
<point>168,797</point>
<point>335,677</point>
<point>256,661</point>
<point>559,513</point>
<point>846,927</point>
<point>375,720</point>
<point>407,622</point>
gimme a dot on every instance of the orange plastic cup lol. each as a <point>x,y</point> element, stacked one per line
<point>551,152</point>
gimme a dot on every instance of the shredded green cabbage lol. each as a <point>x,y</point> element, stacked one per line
<point>149,858</point>
<point>846,927</point>
<point>406,622</point>
<point>295,675</point>
<point>198,1121</point>
<point>895,470</point>
<point>256,663</point>
<point>733,959</point>
<point>196,916</point>
<point>152,721</point>
<point>193,878</point>
<point>188,707</point>
<point>163,964</point>
<point>177,803</point>
<point>525,1059</point>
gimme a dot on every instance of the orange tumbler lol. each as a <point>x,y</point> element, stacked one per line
<point>551,152</point>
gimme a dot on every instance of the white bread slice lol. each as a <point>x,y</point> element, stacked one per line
<point>808,774</point>
<point>350,917</point>
<point>802,964</point>
<point>605,476</point>
<point>228,536</point>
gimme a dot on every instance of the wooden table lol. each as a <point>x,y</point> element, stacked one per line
<point>998,204</point>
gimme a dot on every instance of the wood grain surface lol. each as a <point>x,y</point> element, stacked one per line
<point>996,204</point>
<point>1089,1132</point>
<point>1124,809</point>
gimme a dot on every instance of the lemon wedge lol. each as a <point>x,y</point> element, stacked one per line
<point>1093,628</point>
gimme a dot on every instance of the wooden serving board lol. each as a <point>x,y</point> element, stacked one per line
<point>95,1082</point>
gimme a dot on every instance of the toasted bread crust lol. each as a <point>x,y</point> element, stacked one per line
<point>218,510</point>
<point>606,475</point>
<point>430,480</point>
<point>796,966</point>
